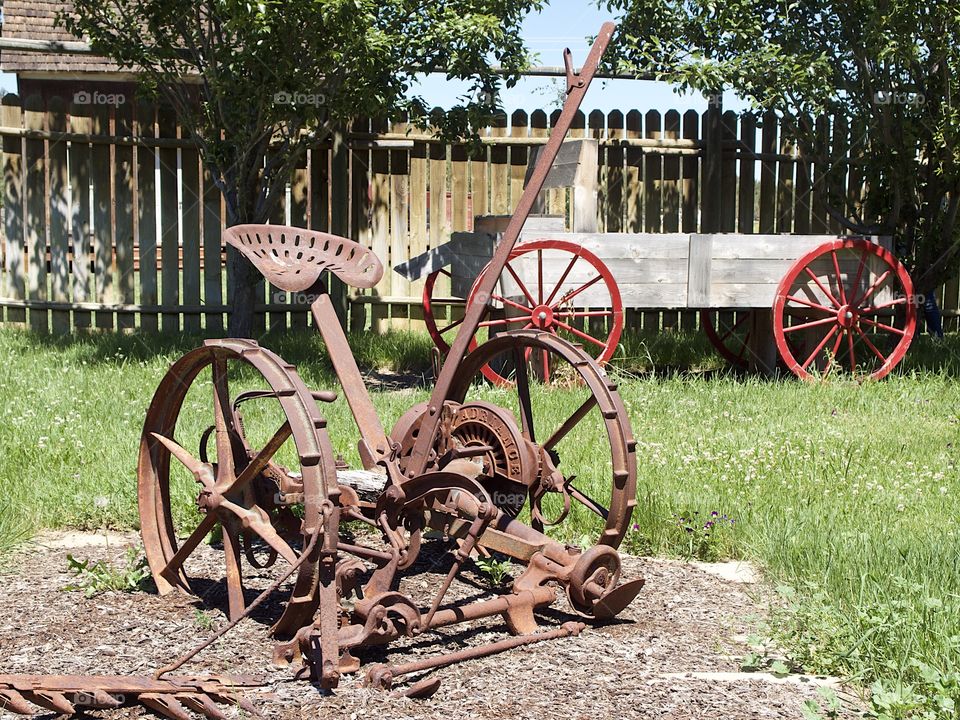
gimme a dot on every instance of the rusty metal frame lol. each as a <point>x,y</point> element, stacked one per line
<point>578,86</point>
<point>432,482</point>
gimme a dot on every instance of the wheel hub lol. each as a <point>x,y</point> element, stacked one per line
<point>542,317</point>
<point>847,316</point>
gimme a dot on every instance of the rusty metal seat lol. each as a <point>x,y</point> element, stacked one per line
<point>293,259</point>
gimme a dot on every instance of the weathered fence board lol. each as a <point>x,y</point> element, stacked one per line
<point>105,227</point>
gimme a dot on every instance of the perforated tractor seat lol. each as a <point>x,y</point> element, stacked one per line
<point>293,258</point>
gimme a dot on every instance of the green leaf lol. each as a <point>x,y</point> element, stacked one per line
<point>779,668</point>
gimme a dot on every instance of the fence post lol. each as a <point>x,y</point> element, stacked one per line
<point>339,213</point>
<point>712,159</point>
<point>13,207</point>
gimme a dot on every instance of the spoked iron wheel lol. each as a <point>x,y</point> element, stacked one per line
<point>729,332</point>
<point>557,287</point>
<point>226,473</point>
<point>846,306</point>
<point>441,331</point>
<point>588,467</point>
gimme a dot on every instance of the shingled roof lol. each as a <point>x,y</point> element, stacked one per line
<point>35,20</point>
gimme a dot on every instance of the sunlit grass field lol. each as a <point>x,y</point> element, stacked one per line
<point>845,494</point>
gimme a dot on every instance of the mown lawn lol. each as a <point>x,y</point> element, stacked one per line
<point>847,495</point>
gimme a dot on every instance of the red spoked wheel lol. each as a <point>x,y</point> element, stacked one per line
<point>729,333</point>
<point>557,287</point>
<point>442,333</point>
<point>847,305</point>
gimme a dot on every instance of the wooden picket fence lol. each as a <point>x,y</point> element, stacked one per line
<point>110,221</point>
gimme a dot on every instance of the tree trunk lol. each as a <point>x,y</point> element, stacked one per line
<point>246,279</point>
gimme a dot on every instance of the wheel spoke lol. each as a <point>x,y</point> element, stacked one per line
<point>881,326</point>
<point>836,267</point>
<point>870,345</point>
<point>570,423</point>
<point>173,565</point>
<point>581,334</point>
<point>853,357</point>
<point>588,501</point>
<point>733,329</point>
<point>573,293</point>
<point>181,454</point>
<point>511,303</point>
<point>222,410</point>
<point>819,347</point>
<point>540,276</point>
<point>883,306</point>
<point>503,321</point>
<point>522,285</point>
<point>545,366</point>
<point>815,306</point>
<point>231,549</point>
<point>451,326</point>
<point>874,287</point>
<point>257,465</point>
<point>820,285</point>
<point>814,323</point>
<point>523,393</point>
<point>563,276</point>
<point>585,313</point>
<point>860,267</point>
<point>257,520</point>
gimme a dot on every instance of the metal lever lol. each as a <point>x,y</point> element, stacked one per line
<point>573,78</point>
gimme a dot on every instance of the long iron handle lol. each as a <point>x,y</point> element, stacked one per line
<point>577,88</point>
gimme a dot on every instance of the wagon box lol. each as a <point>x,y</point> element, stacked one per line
<point>813,300</point>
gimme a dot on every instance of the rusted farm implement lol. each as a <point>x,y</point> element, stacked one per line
<point>452,466</point>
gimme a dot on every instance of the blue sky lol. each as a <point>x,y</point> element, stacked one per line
<point>567,23</point>
<point>563,23</point>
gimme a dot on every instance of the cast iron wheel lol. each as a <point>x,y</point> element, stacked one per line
<point>588,467</point>
<point>230,490</point>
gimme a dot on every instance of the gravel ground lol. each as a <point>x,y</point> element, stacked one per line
<point>674,653</point>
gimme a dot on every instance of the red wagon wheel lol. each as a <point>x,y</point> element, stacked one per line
<point>729,334</point>
<point>847,304</point>
<point>566,291</point>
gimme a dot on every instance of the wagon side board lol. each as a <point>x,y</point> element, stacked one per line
<point>653,270</point>
<point>682,270</point>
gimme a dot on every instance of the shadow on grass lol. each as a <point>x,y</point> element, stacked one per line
<point>408,354</point>
<point>405,353</point>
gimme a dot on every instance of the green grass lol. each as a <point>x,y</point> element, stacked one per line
<point>846,494</point>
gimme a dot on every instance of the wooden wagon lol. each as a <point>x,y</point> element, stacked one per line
<point>809,303</point>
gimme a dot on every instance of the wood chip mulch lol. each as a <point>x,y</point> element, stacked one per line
<point>673,654</point>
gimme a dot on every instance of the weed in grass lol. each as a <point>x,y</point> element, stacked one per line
<point>203,619</point>
<point>496,569</point>
<point>826,707</point>
<point>703,537</point>
<point>637,542</point>
<point>93,578</point>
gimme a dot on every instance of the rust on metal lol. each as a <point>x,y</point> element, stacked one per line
<point>463,470</point>
<point>70,694</point>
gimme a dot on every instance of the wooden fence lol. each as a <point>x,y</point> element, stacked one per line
<point>111,222</point>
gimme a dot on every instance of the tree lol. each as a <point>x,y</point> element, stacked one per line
<point>891,67</point>
<point>258,84</point>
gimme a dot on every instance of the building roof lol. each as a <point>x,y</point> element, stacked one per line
<point>35,20</point>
